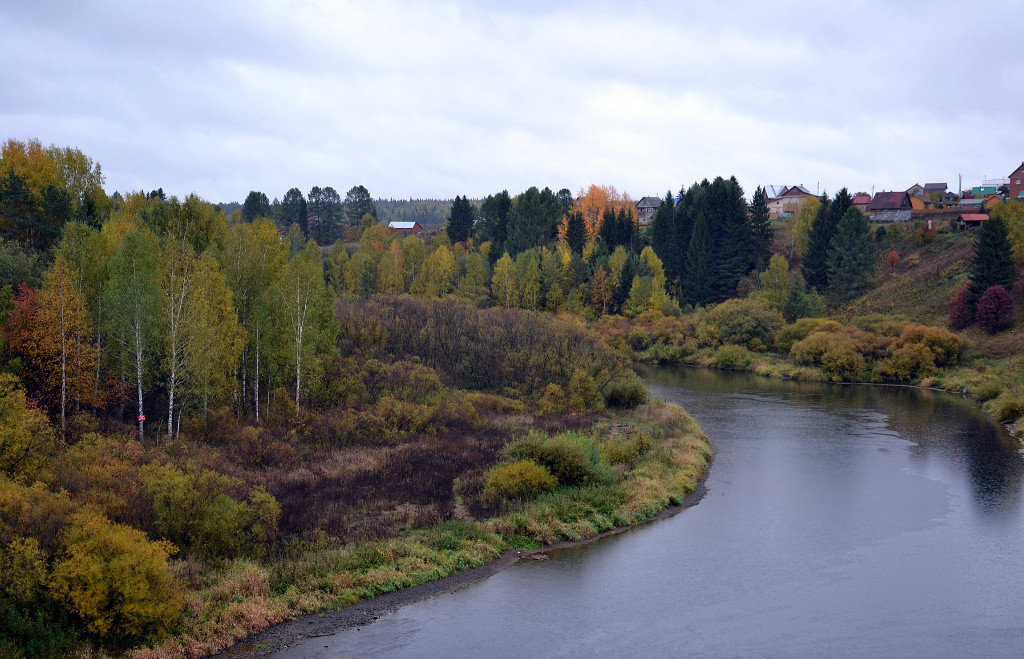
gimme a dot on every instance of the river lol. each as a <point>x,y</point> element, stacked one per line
<point>839,521</point>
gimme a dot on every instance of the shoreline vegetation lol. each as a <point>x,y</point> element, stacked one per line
<point>332,621</point>
<point>659,457</point>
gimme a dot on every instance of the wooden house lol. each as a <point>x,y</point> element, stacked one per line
<point>404,228</point>
<point>891,207</point>
<point>921,203</point>
<point>786,199</point>
<point>970,220</point>
<point>646,208</point>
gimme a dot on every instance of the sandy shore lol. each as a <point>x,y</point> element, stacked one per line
<point>325,623</point>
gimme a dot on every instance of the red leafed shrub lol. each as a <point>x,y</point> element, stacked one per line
<point>892,259</point>
<point>960,314</point>
<point>995,309</point>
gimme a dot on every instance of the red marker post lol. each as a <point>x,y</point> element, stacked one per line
<point>142,417</point>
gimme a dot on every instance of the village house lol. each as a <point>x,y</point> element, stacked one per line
<point>404,228</point>
<point>972,204</point>
<point>646,208</point>
<point>991,200</point>
<point>785,199</point>
<point>891,207</point>
<point>862,202</point>
<point>1016,184</point>
<point>921,203</point>
<point>970,220</point>
<point>935,188</point>
<point>916,189</point>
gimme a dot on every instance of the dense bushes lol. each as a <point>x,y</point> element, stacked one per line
<point>572,458</point>
<point>745,322</point>
<point>489,349</point>
<point>522,478</point>
<point>66,572</point>
<point>196,510</point>
<point>879,348</point>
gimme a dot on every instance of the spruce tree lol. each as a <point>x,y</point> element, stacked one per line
<point>576,232</point>
<point>851,256</point>
<point>460,220</point>
<point>760,230</point>
<point>823,229</point>
<point>731,237</point>
<point>815,266</point>
<point>663,238</point>
<point>992,263</point>
<point>696,285</point>
<point>609,229</point>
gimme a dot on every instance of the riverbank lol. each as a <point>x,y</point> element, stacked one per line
<point>295,632</point>
<point>657,455</point>
<point>747,336</point>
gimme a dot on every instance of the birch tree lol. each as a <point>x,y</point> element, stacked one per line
<point>310,323</point>
<point>177,283</point>
<point>133,293</point>
<point>66,322</point>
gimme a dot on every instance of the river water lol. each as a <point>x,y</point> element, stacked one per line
<point>839,521</point>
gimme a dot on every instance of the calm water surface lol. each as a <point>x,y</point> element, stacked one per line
<point>839,521</point>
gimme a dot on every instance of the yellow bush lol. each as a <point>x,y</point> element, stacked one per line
<point>797,331</point>
<point>553,400</point>
<point>906,364</point>
<point>944,345</point>
<point>521,478</point>
<point>116,580</point>
<point>583,392</point>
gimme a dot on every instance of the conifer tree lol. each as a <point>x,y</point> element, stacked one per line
<point>823,229</point>
<point>576,232</point>
<point>814,266</point>
<point>460,220</point>
<point>609,229</point>
<point>697,279</point>
<point>992,262</point>
<point>851,256</point>
<point>664,238</point>
<point>760,230</point>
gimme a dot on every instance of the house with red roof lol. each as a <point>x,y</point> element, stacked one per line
<point>970,220</point>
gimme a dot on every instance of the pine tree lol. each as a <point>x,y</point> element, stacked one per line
<point>761,231</point>
<point>576,232</point>
<point>609,230</point>
<point>992,263</point>
<point>851,256</point>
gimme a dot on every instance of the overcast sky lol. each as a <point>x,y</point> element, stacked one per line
<point>434,100</point>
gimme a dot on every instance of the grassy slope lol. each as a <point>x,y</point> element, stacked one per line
<point>920,288</point>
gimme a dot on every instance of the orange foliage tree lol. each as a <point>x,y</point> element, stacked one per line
<point>593,201</point>
<point>49,332</point>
